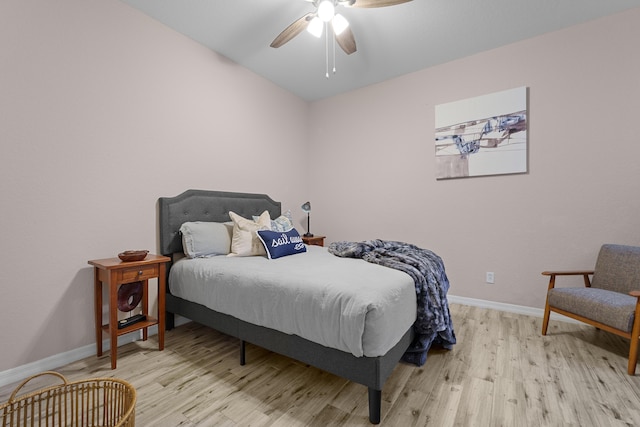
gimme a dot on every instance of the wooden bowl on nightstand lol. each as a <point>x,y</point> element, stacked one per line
<point>129,256</point>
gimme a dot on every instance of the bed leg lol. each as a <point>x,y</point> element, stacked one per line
<point>242,348</point>
<point>170,321</point>
<point>375,404</point>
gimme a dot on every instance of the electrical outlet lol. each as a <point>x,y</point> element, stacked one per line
<point>490,277</point>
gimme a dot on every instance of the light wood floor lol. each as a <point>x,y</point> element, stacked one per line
<point>502,372</point>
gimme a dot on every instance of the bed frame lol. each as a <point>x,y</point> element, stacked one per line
<point>203,205</point>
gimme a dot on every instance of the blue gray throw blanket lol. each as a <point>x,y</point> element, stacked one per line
<point>433,323</point>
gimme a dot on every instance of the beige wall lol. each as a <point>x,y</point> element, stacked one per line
<point>102,111</point>
<point>373,162</point>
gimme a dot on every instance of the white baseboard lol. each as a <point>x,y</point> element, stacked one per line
<point>51,363</point>
<point>509,308</point>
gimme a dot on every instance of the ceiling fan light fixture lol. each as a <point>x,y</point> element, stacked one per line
<point>315,27</point>
<point>326,10</point>
<point>325,13</point>
<point>339,24</point>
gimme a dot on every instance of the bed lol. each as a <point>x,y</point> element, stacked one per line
<point>214,206</point>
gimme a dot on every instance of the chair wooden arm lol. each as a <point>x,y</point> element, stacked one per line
<point>635,294</point>
<point>568,273</point>
<point>584,273</point>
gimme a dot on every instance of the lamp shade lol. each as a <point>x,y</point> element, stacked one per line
<point>306,207</point>
<point>315,27</point>
<point>339,24</point>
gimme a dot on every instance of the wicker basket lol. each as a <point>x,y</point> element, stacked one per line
<point>92,402</point>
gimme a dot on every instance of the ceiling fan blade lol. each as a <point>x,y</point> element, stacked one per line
<point>377,3</point>
<point>346,41</point>
<point>292,30</point>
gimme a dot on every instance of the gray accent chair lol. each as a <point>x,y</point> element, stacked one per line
<point>609,301</point>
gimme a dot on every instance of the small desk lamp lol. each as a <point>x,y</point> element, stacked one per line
<point>306,207</point>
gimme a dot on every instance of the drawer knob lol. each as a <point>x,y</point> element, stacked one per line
<point>140,273</point>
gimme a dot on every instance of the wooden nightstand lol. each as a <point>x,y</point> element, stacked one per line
<point>114,273</point>
<point>314,240</point>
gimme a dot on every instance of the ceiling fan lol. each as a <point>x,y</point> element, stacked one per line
<point>325,13</point>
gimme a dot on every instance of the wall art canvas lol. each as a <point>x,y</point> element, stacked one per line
<point>485,135</point>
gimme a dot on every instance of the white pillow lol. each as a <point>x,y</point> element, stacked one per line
<point>205,239</point>
<point>245,241</point>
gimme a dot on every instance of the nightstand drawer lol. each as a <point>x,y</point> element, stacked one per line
<point>141,272</point>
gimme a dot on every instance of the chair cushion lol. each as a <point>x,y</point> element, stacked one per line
<point>611,308</point>
<point>617,268</point>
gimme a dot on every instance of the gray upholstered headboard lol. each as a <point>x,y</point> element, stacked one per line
<point>204,205</point>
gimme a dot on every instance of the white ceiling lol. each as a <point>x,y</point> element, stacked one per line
<point>391,41</point>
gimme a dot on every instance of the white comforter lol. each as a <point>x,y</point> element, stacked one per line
<point>343,303</point>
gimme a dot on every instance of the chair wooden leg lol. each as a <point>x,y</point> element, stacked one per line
<point>547,310</point>
<point>633,358</point>
<point>545,319</point>
<point>635,341</point>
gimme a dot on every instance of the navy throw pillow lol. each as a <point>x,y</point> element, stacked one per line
<point>281,243</point>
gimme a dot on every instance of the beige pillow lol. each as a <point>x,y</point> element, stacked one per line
<point>245,241</point>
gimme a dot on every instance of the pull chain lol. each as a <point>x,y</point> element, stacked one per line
<point>334,50</point>
<point>326,49</point>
